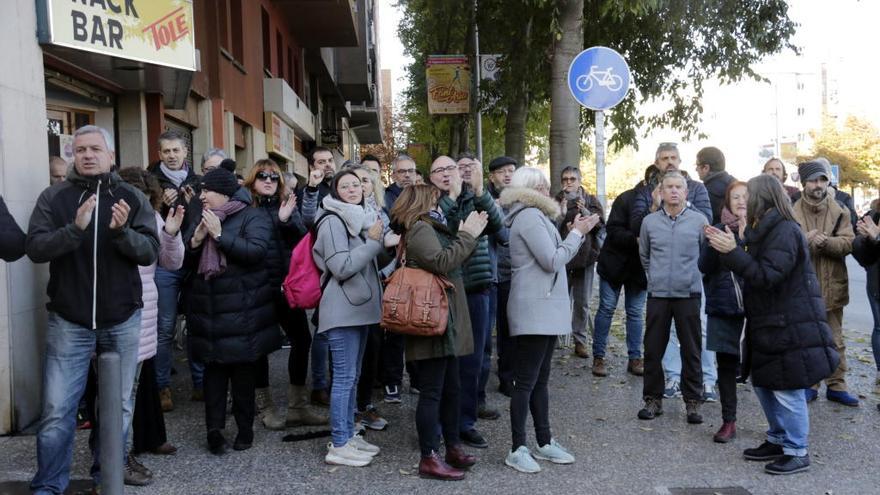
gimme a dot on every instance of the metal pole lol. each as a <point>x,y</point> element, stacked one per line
<point>478,116</point>
<point>600,159</point>
<point>110,433</point>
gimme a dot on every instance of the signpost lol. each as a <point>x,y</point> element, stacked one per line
<point>599,79</point>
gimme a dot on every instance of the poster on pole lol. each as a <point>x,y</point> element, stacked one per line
<point>449,84</point>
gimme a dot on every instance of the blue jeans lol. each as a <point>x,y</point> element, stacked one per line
<point>347,348</point>
<point>634,302</point>
<point>672,356</point>
<point>875,334</point>
<point>788,417</point>
<point>470,367</point>
<point>320,354</point>
<point>69,349</point>
<point>168,286</point>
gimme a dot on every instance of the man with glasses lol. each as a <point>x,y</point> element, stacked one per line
<point>501,171</point>
<point>403,173</point>
<point>574,200</point>
<point>462,185</point>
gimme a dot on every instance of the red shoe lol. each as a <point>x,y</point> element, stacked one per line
<point>726,433</point>
<point>458,458</point>
<point>433,467</point>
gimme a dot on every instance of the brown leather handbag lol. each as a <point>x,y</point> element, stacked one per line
<point>415,301</point>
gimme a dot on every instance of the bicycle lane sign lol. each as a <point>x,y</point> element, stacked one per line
<point>598,78</point>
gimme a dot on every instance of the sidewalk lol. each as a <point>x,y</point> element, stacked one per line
<point>594,418</point>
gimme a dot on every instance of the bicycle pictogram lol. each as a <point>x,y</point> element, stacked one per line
<point>604,78</point>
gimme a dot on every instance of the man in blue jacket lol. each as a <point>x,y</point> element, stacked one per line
<point>94,231</point>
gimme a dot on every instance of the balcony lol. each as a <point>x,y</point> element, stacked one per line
<point>366,122</point>
<point>278,97</point>
<point>357,65</point>
<point>317,23</point>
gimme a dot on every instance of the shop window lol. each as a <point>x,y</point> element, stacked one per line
<point>267,43</point>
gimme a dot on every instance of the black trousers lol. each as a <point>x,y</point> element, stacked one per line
<point>504,343</point>
<point>533,357</point>
<point>148,422</point>
<point>296,326</point>
<point>369,367</point>
<point>242,377</point>
<point>727,367</point>
<point>660,314</point>
<point>438,402</point>
<point>391,362</point>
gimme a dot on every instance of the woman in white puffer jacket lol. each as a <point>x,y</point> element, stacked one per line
<point>148,423</point>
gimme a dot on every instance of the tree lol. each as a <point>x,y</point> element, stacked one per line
<point>855,147</point>
<point>565,112</point>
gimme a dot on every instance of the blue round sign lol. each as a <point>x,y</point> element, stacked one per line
<point>598,78</point>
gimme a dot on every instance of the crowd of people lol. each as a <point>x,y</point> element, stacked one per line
<point>723,281</point>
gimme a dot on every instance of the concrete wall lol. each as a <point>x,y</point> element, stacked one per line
<point>23,175</point>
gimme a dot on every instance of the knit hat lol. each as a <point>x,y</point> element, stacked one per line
<point>812,170</point>
<point>501,161</point>
<point>228,164</point>
<point>220,180</point>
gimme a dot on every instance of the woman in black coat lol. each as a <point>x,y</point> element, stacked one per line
<point>788,341</point>
<point>725,311</point>
<point>229,303</point>
<point>271,197</point>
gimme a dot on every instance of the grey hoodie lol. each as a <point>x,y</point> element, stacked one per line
<point>670,249</point>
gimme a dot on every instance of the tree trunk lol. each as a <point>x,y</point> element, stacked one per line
<point>564,110</point>
<point>515,127</point>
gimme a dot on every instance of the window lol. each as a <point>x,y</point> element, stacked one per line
<point>279,48</point>
<point>229,13</point>
<point>267,42</point>
<point>223,18</point>
<point>800,111</point>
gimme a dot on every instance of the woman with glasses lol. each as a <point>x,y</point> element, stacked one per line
<point>272,197</point>
<point>348,240</point>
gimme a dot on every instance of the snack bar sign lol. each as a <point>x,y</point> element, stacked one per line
<point>153,31</point>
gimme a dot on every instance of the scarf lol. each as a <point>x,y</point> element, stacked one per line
<point>213,261</point>
<point>729,219</point>
<point>355,217</point>
<point>175,176</point>
<point>437,216</point>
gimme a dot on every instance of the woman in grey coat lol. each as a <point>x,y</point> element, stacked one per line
<point>347,241</point>
<point>538,309</point>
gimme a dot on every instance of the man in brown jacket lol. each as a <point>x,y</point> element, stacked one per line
<point>826,225</point>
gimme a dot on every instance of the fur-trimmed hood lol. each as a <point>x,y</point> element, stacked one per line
<point>517,198</point>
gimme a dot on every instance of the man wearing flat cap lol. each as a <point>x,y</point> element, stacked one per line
<point>826,225</point>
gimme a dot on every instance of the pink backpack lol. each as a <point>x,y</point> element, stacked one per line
<point>302,286</point>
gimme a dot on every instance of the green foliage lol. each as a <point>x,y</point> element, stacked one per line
<point>855,147</point>
<point>672,46</point>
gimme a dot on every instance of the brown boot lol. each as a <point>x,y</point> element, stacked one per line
<point>599,367</point>
<point>636,367</point>
<point>458,458</point>
<point>726,433</point>
<point>298,412</point>
<point>320,398</point>
<point>165,400</point>
<point>580,350</point>
<point>434,467</point>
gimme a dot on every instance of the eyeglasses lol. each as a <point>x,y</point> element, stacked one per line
<point>268,176</point>
<point>569,179</point>
<point>405,171</point>
<point>443,170</point>
<point>467,165</point>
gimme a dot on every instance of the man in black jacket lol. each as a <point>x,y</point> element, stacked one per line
<point>710,168</point>
<point>94,230</point>
<point>403,173</point>
<point>11,236</point>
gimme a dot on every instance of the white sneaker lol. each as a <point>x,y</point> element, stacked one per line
<point>346,455</point>
<point>363,446</point>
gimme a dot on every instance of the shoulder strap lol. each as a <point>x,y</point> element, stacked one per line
<point>327,214</point>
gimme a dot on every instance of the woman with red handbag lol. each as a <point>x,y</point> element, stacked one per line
<point>431,246</point>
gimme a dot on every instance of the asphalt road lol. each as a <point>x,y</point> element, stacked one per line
<point>594,418</point>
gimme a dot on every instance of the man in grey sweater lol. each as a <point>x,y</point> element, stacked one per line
<point>669,247</point>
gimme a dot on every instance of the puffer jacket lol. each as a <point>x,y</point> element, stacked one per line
<point>231,317</point>
<point>285,235</point>
<point>788,340</point>
<point>716,186</point>
<point>830,217</point>
<point>619,261</point>
<point>539,303</point>
<point>170,258</point>
<point>723,288</point>
<point>431,246</point>
<point>477,272</point>
<point>499,244</point>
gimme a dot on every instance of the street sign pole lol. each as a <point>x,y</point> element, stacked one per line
<point>600,159</point>
<point>478,116</point>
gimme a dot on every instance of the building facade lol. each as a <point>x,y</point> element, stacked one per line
<point>258,78</point>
